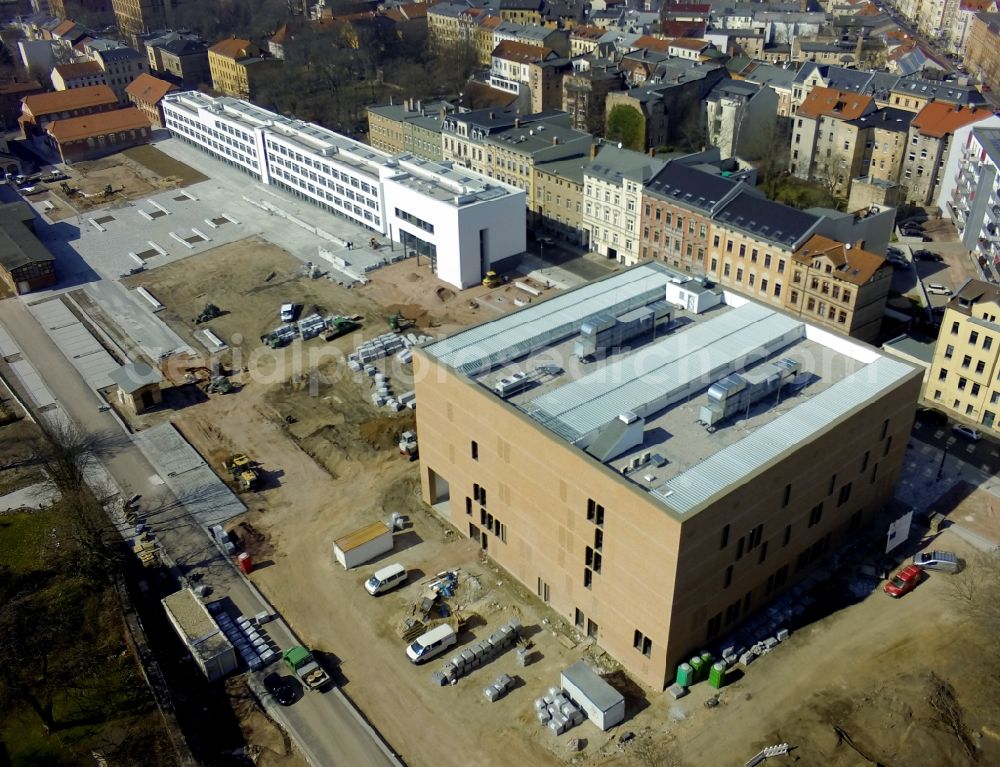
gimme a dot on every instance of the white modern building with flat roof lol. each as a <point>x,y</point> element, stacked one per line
<point>463,222</point>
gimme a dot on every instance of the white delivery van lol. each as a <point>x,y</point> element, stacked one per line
<point>385,579</point>
<point>434,642</point>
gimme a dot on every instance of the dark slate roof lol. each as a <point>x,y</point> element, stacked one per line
<point>18,244</point>
<point>887,118</point>
<point>689,186</point>
<point>766,220</point>
<point>121,54</point>
<point>939,90</point>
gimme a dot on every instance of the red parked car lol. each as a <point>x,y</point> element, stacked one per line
<point>904,581</point>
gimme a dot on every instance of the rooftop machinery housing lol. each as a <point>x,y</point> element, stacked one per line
<point>464,223</point>
<point>616,483</point>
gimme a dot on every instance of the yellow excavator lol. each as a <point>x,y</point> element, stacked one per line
<point>492,279</point>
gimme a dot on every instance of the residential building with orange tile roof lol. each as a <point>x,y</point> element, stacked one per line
<point>840,285</point>
<point>77,75</point>
<point>95,135</point>
<point>825,144</point>
<point>236,66</point>
<point>146,92</point>
<point>40,109</point>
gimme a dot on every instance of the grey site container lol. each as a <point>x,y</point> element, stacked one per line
<point>602,703</point>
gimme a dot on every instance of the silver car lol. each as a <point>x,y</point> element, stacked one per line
<point>938,560</point>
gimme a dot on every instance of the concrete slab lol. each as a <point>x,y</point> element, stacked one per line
<point>8,347</point>
<point>37,496</point>
<point>76,342</point>
<point>185,472</point>
<point>33,383</point>
<point>134,316</point>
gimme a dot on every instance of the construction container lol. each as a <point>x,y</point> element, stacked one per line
<point>698,670</point>
<point>685,675</point>
<point>204,639</point>
<point>363,545</point>
<point>245,561</point>
<point>602,703</point>
<point>717,675</point>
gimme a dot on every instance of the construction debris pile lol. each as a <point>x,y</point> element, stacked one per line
<point>331,326</point>
<point>557,711</point>
<point>432,602</point>
<point>248,637</point>
<point>479,654</point>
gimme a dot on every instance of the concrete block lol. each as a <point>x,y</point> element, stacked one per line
<point>677,691</point>
<point>747,658</point>
<point>782,635</point>
<point>770,643</point>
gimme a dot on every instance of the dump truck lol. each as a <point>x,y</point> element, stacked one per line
<point>309,672</point>
<point>219,385</point>
<point>242,469</point>
<point>210,312</point>
<point>492,279</point>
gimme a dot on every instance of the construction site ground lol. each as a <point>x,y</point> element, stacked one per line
<point>133,174</point>
<point>865,675</point>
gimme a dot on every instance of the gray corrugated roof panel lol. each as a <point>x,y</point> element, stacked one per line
<point>514,335</point>
<point>660,374</point>
<point>688,491</point>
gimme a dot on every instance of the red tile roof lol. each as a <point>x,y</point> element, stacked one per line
<point>232,48</point>
<point>831,102</point>
<point>149,89</point>
<point>79,69</point>
<point>650,43</point>
<point>99,124</point>
<point>522,53</point>
<point>61,101</point>
<point>690,43</point>
<point>851,264</point>
<point>939,119</point>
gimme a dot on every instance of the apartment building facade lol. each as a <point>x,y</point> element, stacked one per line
<point>840,286</point>
<point>78,75</point>
<point>121,66</point>
<point>883,134</point>
<point>656,558</point>
<point>678,203</point>
<point>236,67</point>
<point>557,202</point>
<point>975,200</point>
<point>613,185</point>
<point>140,17</point>
<point>411,126</point>
<point>146,94</point>
<point>964,378</point>
<point>825,142</point>
<point>928,168</point>
<point>181,58</point>
<point>982,44</point>
<point>463,224</point>
<point>585,90</point>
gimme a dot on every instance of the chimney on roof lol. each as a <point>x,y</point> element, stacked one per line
<point>555,140</point>
<point>420,106</point>
<point>517,122</point>
<point>492,116</point>
<point>593,150</point>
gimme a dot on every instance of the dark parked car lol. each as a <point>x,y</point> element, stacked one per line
<point>926,255</point>
<point>916,234</point>
<point>281,688</point>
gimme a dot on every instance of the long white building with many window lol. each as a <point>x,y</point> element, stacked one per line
<point>464,223</point>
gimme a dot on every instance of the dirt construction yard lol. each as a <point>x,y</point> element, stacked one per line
<point>882,681</point>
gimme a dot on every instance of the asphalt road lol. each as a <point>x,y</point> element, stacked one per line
<point>983,455</point>
<point>325,725</point>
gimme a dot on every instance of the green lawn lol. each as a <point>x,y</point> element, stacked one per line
<point>27,541</point>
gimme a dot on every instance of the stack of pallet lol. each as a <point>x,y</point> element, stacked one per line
<point>556,711</point>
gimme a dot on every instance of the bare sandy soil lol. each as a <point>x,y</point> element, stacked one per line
<point>882,680</point>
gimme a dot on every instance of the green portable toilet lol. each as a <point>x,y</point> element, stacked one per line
<point>685,675</point>
<point>698,669</point>
<point>706,658</point>
<point>717,675</point>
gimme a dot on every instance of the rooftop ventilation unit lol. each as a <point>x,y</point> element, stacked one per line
<point>737,392</point>
<point>608,332</point>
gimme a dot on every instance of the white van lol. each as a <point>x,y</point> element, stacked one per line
<point>387,578</point>
<point>434,642</point>
<point>938,290</point>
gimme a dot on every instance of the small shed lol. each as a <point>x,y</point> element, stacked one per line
<point>603,704</point>
<point>138,386</point>
<point>362,545</point>
<point>201,635</point>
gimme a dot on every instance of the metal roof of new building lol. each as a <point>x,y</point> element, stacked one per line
<point>485,346</point>
<point>686,492</point>
<point>659,374</point>
<point>690,186</point>
<point>767,220</point>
